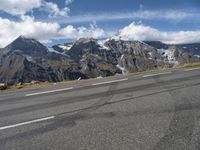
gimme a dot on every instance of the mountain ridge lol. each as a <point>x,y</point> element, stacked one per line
<point>26,59</point>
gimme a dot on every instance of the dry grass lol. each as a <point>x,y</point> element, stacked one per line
<point>35,83</point>
<point>189,65</point>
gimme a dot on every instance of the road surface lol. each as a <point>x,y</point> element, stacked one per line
<point>157,110</point>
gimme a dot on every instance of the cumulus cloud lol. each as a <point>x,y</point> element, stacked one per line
<point>19,7</point>
<point>146,33</point>
<point>28,27</point>
<point>43,31</point>
<point>22,7</point>
<point>93,31</point>
<point>67,2</point>
<point>54,10</point>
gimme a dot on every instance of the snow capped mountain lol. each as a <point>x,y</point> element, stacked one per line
<point>26,59</point>
<point>174,55</point>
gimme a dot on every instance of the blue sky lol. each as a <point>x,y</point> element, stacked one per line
<point>79,8</point>
<point>54,21</point>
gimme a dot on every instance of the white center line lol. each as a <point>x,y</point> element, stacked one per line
<point>151,75</point>
<point>52,91</point>
<point>192,69</point>
<point>26,123</point>
<point>107,82</point>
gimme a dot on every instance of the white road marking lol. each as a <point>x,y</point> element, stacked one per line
<point>107,82</point>
<point>191,69</point>
<point>151,75</point>
<point>46,92</point>
<point>26,123</point>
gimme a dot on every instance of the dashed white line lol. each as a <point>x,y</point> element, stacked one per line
<point>26,123</point>
<point>52,91</point>
<point>191,69</point>
<point>151,75</point>
<point>107,82</point>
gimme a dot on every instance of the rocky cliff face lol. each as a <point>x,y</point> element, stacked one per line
<point>134,56</point>
<point>177,54</point>
<point>93,59</point>
<point>27,46</point>
<point>25,59</point>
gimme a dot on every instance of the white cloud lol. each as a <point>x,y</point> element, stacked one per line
<point>146,33</point>
<point>67,2</point>
<point>46,32</point>
<point>43,31</point>
<point>28,27</point>
<point>93,31</point>
<point>19,7</point>
<point>22,7</point>
<point>169,15</point>
<point>54,10</point>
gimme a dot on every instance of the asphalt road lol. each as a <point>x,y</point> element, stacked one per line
<point>144,111</point>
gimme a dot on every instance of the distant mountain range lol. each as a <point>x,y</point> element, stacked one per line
<point>25,59</point>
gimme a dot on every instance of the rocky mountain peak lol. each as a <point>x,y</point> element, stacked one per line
<point>83,46</point>
<point>26,59</point>
<point>27,46</point>
<point>85,40</point>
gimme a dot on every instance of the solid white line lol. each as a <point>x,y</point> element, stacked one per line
<point>107,82</point>
<point>151,75</point>
<point>46,92</point>
<point>191,69</point>
<point>26,123</point>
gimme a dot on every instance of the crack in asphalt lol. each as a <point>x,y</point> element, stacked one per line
<point>179,134</point>
<point>71,120</point>
<point>71,100</point>
<point>177,137</point>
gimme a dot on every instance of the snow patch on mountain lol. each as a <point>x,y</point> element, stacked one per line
<point>101,43</point>
<point>29,58</point>
<point>168,55</point>
<point>66,47</point>
<point>124,71</point>
<point>150,54</point>
<point>122,56</point>
<point>51,50</point>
